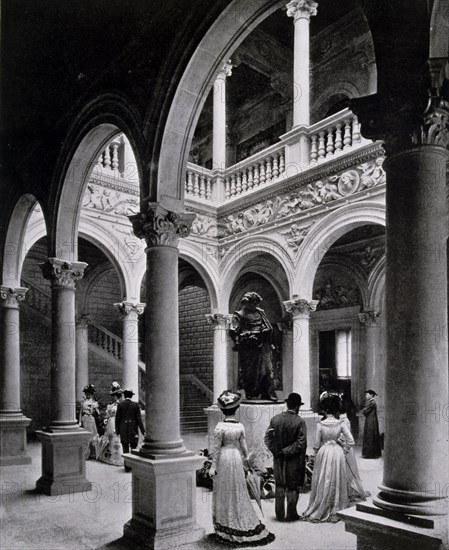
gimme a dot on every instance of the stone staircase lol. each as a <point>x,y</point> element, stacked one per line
<point>194,395</point>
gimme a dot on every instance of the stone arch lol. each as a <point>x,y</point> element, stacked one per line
<point>193,253</point>
<point>241,253</point>
<point>376,285</point>
<point>98,124</point>
<point>16,245</point>
<point>323,235</point>
<point>340,88</point>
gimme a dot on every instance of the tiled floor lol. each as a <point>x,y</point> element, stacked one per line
<point>95,519</point>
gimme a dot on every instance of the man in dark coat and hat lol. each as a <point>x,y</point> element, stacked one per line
<point>128,420</point>
<point>372,446</point>
<point>286,438</point>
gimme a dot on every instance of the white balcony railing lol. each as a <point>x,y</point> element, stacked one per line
<point>335,135</point>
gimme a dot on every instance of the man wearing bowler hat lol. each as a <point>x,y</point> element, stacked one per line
<point>286,438</point>
<point>128,420</point>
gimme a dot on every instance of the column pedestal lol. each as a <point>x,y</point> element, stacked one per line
<point>164,502</point>
<point>63,462</point>
<point>13,440</point>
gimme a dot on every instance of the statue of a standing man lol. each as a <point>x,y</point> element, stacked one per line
<point>251,332</point>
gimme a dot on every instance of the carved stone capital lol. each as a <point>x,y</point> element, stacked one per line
<point>226,69</point>
<point>61,273</point>
<point>11,297</point>
<point>403,126</point>
<point>161,227</point>
<point>82,320</point>
<point>301,9</point>
<point>300,308</point>
<point>370,318</point>
<point>219,320</point>
<point>125,308</point>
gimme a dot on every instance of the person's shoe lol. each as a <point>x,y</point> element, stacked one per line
<point>296,517</point>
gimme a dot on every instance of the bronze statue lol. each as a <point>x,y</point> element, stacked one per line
<point>251,332</point>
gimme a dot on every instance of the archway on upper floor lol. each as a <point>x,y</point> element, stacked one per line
<point>347,352</point>
<point>225,35</point>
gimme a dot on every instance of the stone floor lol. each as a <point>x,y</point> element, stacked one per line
<point>95,519</point>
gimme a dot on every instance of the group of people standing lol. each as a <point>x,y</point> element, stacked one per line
<point>122,421</point>
<point>335,479</point>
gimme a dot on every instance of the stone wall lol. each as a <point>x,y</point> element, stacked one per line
<point>195,334</point>
<point>102,294</point>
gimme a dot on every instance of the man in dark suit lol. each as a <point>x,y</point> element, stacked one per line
<point>286,438</point>
<point>128,420</point>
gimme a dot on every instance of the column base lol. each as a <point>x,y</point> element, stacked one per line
<point>164,501</point>
<point>378,529</point>
<point>13,440</point>
<point>63,462</point>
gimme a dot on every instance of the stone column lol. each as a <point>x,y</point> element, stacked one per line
<point>300,310</point>
<point>219,132</point>
<point>415,481</point>
<point>370,320</point>
<point>221,323</point>
<point>163,471</point>
<point>301,11</point>
<point>13,423</point>
<point>82,354</point>
<point>130,351</point>
<point>63,441</point>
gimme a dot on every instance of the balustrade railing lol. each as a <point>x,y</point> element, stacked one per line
<point>261,169</point>
<point>336,134</point>
<point>104,339</point>
<point>198,182</point>
<point>37,298</point>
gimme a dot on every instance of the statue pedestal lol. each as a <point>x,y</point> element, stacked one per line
<point>256,417</point>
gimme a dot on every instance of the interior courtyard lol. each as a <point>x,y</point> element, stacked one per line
<point>160,160</point>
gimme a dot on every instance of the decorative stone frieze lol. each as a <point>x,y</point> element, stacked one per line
<point>161,227</point>
<point>318,193</point>
<point>302,9</point>
<point>61,273</point>
<point>11,297</point>
<point>204,226</point>
<point>104,199</point>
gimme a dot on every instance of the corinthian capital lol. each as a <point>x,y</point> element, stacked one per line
<point>161,227</point>
<point>11,297</point>
<point>125,308</point>
<point>403,126</point>
<point>219,320</point>
<point>369,318</point>
<point>61,273</point>
<point>226,69</point>
<point>301,9</point>
<point>299,307</point>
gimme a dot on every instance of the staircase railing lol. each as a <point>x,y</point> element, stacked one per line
<point>195,381</point>
<point>104,339</point>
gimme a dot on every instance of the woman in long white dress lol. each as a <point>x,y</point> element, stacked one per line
<point>356,493</point>
<point>235,520</point>
<point>88,412</point>
<point>110,448</point>
<point>329,492</point>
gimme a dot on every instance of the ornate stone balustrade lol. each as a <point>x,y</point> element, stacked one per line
<point>198,182</point>
<point>105,340</point>
<point>336,134</point>
<point>263,168</point>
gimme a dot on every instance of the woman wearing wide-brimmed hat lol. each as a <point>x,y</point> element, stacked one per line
<point>234,517</point>
<point>88,412</point>
<point>109,446</point>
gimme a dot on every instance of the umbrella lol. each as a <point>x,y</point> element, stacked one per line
<point>253,485</point>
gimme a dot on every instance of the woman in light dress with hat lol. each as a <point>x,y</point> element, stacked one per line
<point>235,520</point>
<point>110,448</point>
<point>88,414</point>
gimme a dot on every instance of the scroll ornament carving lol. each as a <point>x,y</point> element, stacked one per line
<point>203,226</point>
<point>161,227</point>
<point>219,320</point>
<point>364,176</point>
<point>369,318</point>
<point>11,297</point>
<point>299,9</point>
<point>61,273</point>
<point>125,308</point>
<point>298,307</point>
